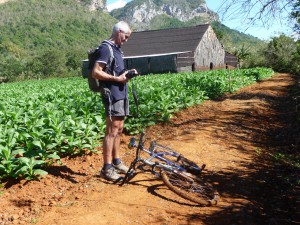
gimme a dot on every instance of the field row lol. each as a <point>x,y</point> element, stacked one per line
<point>41,121</point>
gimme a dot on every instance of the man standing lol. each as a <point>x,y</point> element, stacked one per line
<point>115,99</point>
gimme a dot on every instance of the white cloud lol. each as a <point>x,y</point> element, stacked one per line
<point>116,5</point>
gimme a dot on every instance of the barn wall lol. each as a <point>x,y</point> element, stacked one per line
<point>185,62</point>
<point>152,64</point>
<point>210,52</point>
<point>231,60</point>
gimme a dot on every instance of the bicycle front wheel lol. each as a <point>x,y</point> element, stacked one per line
<point>188,187</point>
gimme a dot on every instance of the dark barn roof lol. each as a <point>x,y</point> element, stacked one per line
<point>164,41</point>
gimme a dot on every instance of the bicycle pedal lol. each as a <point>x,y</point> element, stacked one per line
<point>131,172</point>
<point>118,180</point>
<point>129,175</point>
<point>195,170</point>
<point>141,167</point>
<point>132,175</point>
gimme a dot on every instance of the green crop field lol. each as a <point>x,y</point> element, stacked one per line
<point>44,120</point>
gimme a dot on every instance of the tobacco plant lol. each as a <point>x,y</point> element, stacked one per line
<point>41,121</point>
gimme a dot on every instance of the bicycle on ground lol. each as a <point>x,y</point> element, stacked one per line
<point>179,174</point>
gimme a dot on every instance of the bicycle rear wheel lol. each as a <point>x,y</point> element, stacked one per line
<point>188,187</point>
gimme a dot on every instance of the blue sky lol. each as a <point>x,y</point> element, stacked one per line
<point>112,4</point>
<point>264,33</point>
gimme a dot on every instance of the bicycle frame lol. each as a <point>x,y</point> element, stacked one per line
<point>164,163</point>
<point>179,174</point>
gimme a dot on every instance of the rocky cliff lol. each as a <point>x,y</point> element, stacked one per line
<point>95,4</point>
<point>141,13</point>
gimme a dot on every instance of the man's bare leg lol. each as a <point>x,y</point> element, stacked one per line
<point>111,144</point>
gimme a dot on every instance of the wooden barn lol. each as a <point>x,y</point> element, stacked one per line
<point>174,50</point>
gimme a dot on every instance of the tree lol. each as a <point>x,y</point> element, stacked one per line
<point>296,63</point>
<point>280,53</point>
<point>242,53</point>
<point>296,15</point>
<point>260,11</point>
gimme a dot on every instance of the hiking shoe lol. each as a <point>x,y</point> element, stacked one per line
<point>121,167</point>
<point>110,174</point>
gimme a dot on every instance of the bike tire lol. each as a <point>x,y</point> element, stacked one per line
<point>190,188</point>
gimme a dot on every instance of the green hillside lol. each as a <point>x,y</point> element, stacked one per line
<point>231,39</point>
<point>45,38</point>
<point>248,48</point>
<point>40,39</point>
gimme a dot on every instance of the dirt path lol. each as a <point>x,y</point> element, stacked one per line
<point>234,136</point>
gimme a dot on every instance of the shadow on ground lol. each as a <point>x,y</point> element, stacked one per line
<point>271,184</point>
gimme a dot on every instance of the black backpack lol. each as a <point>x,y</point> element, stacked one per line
<point>94,84</point>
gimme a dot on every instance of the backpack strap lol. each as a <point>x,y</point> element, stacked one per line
<point>105,92</point>
<point>111,63</point>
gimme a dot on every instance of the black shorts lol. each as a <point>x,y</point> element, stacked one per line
<point>117,108</point>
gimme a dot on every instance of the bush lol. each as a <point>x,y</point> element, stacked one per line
<point>280,53</point>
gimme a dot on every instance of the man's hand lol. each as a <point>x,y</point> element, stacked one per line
<point>122,78</point>
<point>132,73</point>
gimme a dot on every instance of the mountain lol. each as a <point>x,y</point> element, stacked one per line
<point>42,38</point>
<point>93,5</point>
<point>154,14</point>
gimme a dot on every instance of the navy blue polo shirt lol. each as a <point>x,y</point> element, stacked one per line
<point>118,90</point>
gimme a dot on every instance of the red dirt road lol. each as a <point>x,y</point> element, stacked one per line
<point>236,137</point>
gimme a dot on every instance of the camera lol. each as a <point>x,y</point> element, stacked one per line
<point>131,74</point>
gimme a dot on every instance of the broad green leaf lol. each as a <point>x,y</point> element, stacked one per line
<point>24,160</point>
<point>37,143</point>
<point>40,172</point>
<point>53,156</point>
